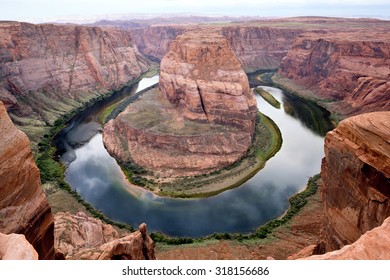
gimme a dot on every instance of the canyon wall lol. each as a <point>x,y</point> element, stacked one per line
<point>356,178</point>
<point>16,247</point>
<point>255,47</point>
<point>23,205</point>
<point>47,70</point>
<point>349,71</point>
<point>260,47</point>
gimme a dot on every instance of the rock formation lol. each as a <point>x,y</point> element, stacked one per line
<point>50,69</point>
<point>201,75</point>
<point>16,247</point>
<point>23,205</point>
<point>373,245</point>
<point>349,70</point>
<point>356,178</point>
<point>201,119</point>
<point>82,237</point>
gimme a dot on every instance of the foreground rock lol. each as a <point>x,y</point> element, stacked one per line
<point>82,237</point>
<point>23,205</point>
<point>348,70</point>
<point>373,245</point>
<point>356,174</point>
<point>16,247</point>
<point>201,119</point>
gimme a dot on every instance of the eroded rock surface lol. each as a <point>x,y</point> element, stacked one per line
<point>356,178</point>
<point>201,118</point>
<point>23,205</point>
<point>82,237</point>
<point>16,247</point>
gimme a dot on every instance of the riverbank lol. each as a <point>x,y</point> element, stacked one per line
<point>267,141</point>
<point>297,90</point>
<point>301,230</point>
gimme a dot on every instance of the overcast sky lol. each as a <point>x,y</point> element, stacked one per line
<point>45,10</point>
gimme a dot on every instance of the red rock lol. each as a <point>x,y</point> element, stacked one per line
<point>202,76</point>
<point>16,247</point>
<point>201,120</point>
<point>355,174</point>
<point>349,70</point>
<point>373,245</point>
<point>23,205</point>
<point>82,237</point>
<point>49,69</point>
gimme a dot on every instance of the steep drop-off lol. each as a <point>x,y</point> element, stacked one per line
<point>201,119</point>
<point>356,178</point>
<point>349,71</point>
<point>47,70</point>
<point>23,205</point>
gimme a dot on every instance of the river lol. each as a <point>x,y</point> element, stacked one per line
<point>99,180</point>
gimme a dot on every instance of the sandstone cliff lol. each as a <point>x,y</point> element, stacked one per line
<point>348,70</point>
<point>356,178</point>
<point>23,205</point>
<point>256,47</point>
<point>201,119</point>
<point>82,237</point>
<point>47,70</point>
<point>201,75</point>
<point>260,47</point>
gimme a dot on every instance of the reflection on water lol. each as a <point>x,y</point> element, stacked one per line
<point>99,180</point>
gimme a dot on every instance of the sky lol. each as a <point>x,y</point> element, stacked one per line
<point>51,10</point>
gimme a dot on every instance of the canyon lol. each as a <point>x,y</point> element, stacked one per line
<point>200,119</point>
<point>48,70</point>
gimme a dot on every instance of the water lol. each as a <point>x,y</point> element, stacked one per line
<point>100,181</point>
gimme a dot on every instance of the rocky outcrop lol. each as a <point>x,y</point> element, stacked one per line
<point>201,76</point>
<point>82,237</point>
<point>356,178</point>
<point>50,69</point>
<point>16,247</point>
<point>373,245</point>
<point>201,119</point>
<point>349,70</point>
<point>23,205</point>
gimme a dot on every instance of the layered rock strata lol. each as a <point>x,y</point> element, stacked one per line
<point>50,69</point>
<point>348,70</point>
<point>201,119</point>
<point>82,237</point>
<point>23,205</point>
<point>356,178</point>
<point>256,47</point>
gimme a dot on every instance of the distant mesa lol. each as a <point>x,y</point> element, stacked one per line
<point>200,119</point>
